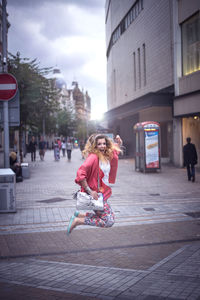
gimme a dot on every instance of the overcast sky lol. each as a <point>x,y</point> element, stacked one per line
<point>67,34</point>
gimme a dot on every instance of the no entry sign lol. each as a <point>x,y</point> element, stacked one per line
<point>8,86</point>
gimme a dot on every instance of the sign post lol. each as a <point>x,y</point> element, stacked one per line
<point>8,86</point>
<point>8,89</point>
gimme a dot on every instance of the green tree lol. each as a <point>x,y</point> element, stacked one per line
<point>66,124</point>
<point>37,93</point>
<point>38,96</point>
<point>81,129</point>
<point>85,128</point>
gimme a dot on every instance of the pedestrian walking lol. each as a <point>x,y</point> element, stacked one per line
<point>56,151</point>
<point>59,143</point>
<point>32,148</point>
<point>102,161</point>
<point>190,159</point>
<point>69,148</point>
<point>63,146</point>
<point>42,147</point>
<point>82,145</point>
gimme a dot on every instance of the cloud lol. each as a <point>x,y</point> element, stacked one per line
<point>85,4</point>
<point>66,34</point>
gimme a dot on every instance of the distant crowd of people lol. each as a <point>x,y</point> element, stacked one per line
<point>32,147</point>
<point>58,146</point>
<point>63,146</point>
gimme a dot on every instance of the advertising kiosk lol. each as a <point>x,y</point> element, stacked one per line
<point>147,156</point>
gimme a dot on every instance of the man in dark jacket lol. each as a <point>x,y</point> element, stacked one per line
<point>32,148</point>
<point>190,159</point>
<point>42,147</point>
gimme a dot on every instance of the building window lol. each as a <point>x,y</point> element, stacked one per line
<point>116,34</point>
<point>139,68</point>
<point>114,93</point>
<point>191,44</point>
<point>0,32</point>
<point>134,70</point>
<point>133,13</point>
<point>144,63</point>
<point>125,23</point>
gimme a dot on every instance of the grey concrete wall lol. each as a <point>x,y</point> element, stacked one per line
<point>177,142</point>
<point>152,28</point>
<point>116,12</point>
<point>187,105</point>
<point>1,159</point>
<point>189,83</point>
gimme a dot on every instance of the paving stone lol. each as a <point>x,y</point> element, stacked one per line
<point>152,252</point>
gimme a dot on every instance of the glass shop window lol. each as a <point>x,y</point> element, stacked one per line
<point>191,44</point>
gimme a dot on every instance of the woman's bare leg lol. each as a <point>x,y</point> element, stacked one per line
<point>77,221</point>
<point>81,215</point>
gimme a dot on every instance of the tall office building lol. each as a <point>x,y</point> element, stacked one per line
<point>145,70</point>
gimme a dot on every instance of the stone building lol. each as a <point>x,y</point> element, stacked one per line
<point>64,94</point>
<point>72,98</point>
<point>82,102</point>
<point>146,80</point>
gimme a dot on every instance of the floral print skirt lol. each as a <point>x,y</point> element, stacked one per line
<point>103,218</point>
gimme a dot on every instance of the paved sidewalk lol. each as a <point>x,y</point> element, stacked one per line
<point>175,277</point>
<point>44,202</point>
<point>152,251</point>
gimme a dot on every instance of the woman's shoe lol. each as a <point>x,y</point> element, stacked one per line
<point>70,224</point>
<point>76,213</point>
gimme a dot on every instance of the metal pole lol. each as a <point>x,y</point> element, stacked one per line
<point>5,70</point>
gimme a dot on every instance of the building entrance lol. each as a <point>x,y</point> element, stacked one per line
<point>191,128</point>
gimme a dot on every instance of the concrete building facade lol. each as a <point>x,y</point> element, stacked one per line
<point>143,70</point>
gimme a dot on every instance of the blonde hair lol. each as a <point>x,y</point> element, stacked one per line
<point>13,155</point>
<point>91,147</point>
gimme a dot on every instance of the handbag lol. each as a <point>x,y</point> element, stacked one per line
<point>87,202</point>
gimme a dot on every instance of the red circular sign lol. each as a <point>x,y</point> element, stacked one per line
<point>8,86</point>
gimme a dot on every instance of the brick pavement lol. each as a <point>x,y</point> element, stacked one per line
<point>175,277</point>
<point>152,252</point>
<point>44,202</point>
<point>120,245</point>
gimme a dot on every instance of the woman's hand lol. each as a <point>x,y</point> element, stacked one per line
<point>118,140</point>
<point>94,195</point>
<point>88,190</point>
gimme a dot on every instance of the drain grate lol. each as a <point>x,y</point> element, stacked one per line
<point>194,215</point>
<point>52,200</point>
<point>149,209</point>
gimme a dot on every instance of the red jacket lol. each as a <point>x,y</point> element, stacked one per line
<point>89,171</point>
